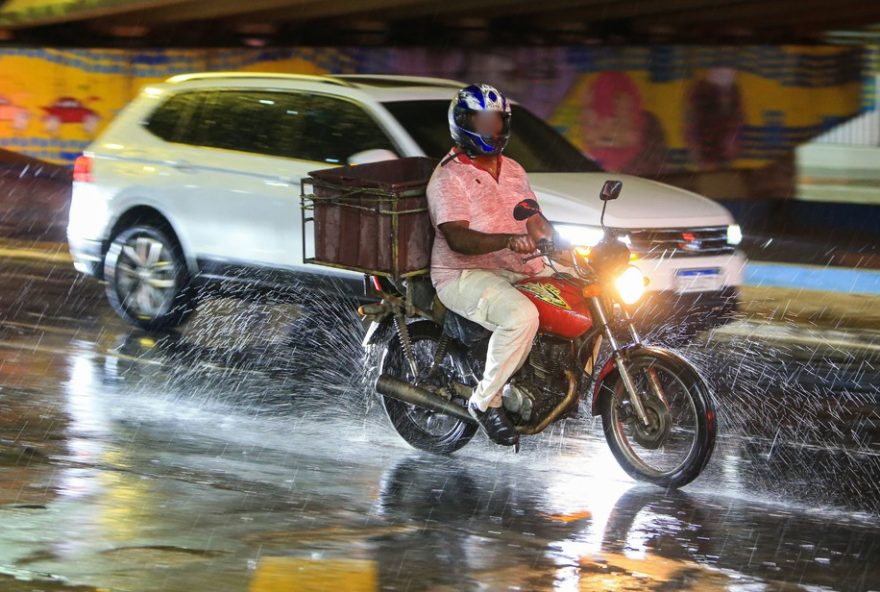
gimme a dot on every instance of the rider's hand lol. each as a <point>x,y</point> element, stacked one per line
<point>521,243</point>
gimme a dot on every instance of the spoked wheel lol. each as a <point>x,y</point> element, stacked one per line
<point>675,446</point>
<point>422,428</point>
<point>147,279</point>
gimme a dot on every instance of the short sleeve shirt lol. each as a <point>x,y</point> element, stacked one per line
<point>460,190</point>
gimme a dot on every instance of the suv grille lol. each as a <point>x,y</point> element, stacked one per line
<point>683,242</point>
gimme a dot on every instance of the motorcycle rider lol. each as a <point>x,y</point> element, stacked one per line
<point>479,245</point>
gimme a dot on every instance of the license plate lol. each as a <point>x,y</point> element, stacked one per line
<point>698,280</point>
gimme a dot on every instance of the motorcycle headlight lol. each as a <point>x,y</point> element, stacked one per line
<point>734,234</point>
<point>630,285</point>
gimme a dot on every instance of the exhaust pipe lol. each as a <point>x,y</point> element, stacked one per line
<point>403,391</point>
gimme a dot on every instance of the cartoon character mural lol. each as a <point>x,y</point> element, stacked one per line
<point>70,110</point>
<point>17,116</point>
<point>616,129</point>
<point>714,118</point>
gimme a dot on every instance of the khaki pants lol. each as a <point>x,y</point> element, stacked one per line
<point>487,297</point>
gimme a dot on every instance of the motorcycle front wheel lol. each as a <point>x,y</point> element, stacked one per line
<point>422,428</point>
<point>675,447</point>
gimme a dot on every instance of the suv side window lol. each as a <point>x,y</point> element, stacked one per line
<point>169,118</point>
<point>261,122</point>
<point>335,129</point>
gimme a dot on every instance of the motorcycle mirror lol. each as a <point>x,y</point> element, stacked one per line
<point>526,209</point>
<point>611,190</point>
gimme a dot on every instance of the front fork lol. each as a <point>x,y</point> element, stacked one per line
<point>621,362</point>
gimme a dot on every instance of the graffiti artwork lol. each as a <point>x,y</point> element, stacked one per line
<point>617,131</point>
<point>70,110</point>
<point>640,110</point>
<point>16,116</point>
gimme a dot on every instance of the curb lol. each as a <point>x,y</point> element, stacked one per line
<point>812,277</point>
<point>35,251</point>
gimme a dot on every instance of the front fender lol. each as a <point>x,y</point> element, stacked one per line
<point>608,369</point>
<point>610,374</point>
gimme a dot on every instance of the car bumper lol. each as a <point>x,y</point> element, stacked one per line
<point>668,307</point>
<point>664,273</point>
<point>88,256</point>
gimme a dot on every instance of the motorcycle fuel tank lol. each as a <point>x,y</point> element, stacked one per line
<point>561,306</point>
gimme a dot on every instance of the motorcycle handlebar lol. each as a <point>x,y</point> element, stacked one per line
<point>545,248</point>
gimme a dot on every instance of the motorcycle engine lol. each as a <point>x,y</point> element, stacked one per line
<point>540,384</point>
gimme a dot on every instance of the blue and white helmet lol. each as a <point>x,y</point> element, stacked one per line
<point>473,99</point>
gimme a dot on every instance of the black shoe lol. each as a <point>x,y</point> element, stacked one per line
<point>496,424</point>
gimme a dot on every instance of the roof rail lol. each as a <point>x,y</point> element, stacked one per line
<point>257,75</point>
<point>390,79</point>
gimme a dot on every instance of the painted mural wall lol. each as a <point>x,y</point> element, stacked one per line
<point>642,110</point>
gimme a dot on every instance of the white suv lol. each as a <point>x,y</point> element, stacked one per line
<point>198,180</point>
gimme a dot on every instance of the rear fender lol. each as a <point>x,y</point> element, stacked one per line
<point>379,332</point>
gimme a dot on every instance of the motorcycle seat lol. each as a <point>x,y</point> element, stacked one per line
<point>466,331</point>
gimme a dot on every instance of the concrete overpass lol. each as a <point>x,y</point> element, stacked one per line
<point>420,22</point>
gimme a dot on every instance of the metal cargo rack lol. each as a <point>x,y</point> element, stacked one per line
<point>370,218</point>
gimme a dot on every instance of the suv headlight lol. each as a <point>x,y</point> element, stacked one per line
<point>583,235</point>
<point>630,285</point>
<point>734,234</point>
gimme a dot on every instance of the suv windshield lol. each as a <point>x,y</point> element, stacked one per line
<point>535,145</point>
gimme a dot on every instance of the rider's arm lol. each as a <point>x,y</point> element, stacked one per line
<point>462,239</point>
<point>540,228</point>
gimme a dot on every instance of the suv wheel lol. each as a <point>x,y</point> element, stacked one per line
<point>148,284</point>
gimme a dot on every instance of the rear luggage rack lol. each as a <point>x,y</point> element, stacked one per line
<point>370,218</point>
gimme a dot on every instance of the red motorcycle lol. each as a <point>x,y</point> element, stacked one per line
<point>656,409</point>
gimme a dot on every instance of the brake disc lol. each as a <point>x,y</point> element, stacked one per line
<point>653,435</point>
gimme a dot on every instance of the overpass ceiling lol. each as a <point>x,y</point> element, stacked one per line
<point>431,22</point>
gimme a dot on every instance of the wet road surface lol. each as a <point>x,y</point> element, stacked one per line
<point>238,455</point>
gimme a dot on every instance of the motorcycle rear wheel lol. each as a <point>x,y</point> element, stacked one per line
<point>421,428</point>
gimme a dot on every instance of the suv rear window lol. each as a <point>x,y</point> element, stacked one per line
<point>292,125</point>
<point>167,121</point>
<point>262,122</point>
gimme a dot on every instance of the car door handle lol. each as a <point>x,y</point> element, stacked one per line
<point>285,181</point>
<point>183,166</point>
<point>135,154</point>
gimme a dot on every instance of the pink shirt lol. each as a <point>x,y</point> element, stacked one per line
<point>460,190</point>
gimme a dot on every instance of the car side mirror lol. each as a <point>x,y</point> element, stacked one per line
<point>526,209</point>
<point>611,190</point>
<point>369,156</point>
